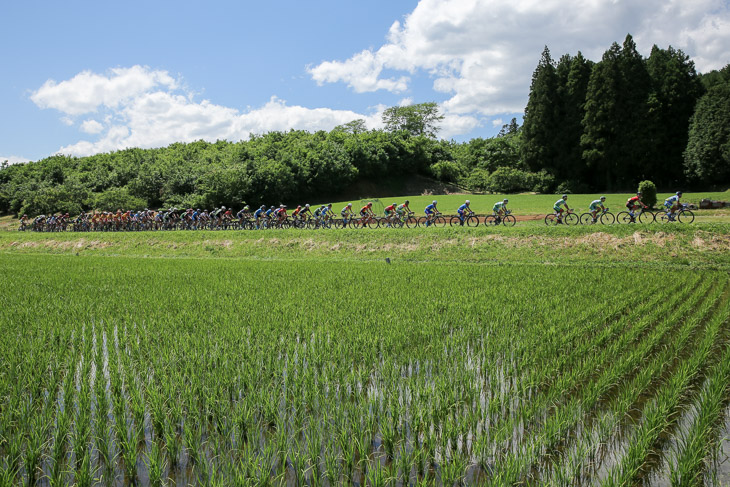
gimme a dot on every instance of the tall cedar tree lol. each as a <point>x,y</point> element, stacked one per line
<point>573,74</point>
<point>707,156</point>
<point>675,91</point>
<point>600,131</point>
<point>540,126</point>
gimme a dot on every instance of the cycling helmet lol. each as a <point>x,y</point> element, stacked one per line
<point>505,200</point>
<point>395,204</point>
<point>433,202</point>
<point>349,205</point>
<point>307,205</point>
<point>603,198</point>
<point>370,203</point>
<point>272,207</point>
<point>565,196</point>
<point>263,207</point>
<point>299,206</point>
<point>223,207</point>
<point>467,202</point>
<point>679,193</point>
<point>638,193</point>
<point>281,205</point>
<point>329,206</point>
<point>407,202</point>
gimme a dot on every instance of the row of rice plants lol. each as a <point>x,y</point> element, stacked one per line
<point>220,373</point>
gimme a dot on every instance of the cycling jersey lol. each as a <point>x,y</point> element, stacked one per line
<point>402,208</point>
<point>559,203</point>
<point>390,208</point>
<point>499,206</point>
<point>463,208</point>
<point>430,209</point>
<point>595,204</point>
<point>365,209</point>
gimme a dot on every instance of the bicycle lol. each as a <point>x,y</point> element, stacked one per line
<point>568,218</point>
<point>682,215</point>
<point>605,217</point>
<point>508,220</point>
<point>470,220</point>
<point>437,220</point>
<point>643,216</point>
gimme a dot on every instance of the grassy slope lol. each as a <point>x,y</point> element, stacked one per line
<point>704,244</point>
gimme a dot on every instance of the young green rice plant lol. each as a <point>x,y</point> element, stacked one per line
<point>85,472</point>
<point>172,443</point>
<point>332,465</point>
<point>156,465</point>
<point>35,444</point>
<point>696,447</point>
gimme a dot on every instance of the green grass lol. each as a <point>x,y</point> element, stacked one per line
<point>702,244</point>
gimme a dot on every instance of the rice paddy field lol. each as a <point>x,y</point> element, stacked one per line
<point>522,356</point>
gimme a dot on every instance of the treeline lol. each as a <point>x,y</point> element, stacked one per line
<point>609,124</point>
<point>588,126</point>
<point>287,167</point>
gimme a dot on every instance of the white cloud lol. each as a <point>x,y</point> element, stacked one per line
<point>86,91</point>
<point>482,52</point>
<point>13,159</point>
<point>146,108</point>
<point>91,127</point>
<point>497,122</point>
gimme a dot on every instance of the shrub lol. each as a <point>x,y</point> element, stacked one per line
<point>648,193</point>
<point>447,171</point>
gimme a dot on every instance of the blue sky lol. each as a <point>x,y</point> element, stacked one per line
<point>84,77</point>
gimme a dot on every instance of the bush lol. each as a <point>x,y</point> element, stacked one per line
<point>510,180</point>
<point>118,198</point>
<point>447,171</point>
<point>648,193</point>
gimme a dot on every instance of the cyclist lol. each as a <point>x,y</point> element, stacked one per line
<point>558,209</point>
<point>326,212</point>
<point>500,209</point>
<point>672,204</point>
<point>304,211</point>
<point>464,211</point>
<point>403,208</point>
<point>270,213</point>
<point>280,213</point>
<point>259,214</point>
<point>346,213</point>
<point>390,212</point>
<point>366,213</point>
<point>595,205</point>
<point>23,221</point>
<point>633,203</point>
<point>431,211</point>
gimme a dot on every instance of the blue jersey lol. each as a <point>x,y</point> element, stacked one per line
<point>430,208</point>
<point>672,199</point>
<point>258,213</point>
<point>463,208</point>
<point>269,212</point>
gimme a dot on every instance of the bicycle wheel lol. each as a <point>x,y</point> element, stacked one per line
<point>373,223</point>
<point>439,221</point>
<point>624,217</point>
<point>490,220</point>
<point>509,221</point>
<point>685,216</point>
<point>472,221</point>
<point>570,219</point>
<point>608,218</point>
<point>455,221</point>
<point>312,224</point>
<point>397,223</point>
<point>646,217</point>
<point>411,222</point>
<point>585,219</point>
<point>422,221</point>
<point>550,219</point>
<point>662,217</point>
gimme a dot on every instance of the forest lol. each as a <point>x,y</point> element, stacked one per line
<point>588,126</point>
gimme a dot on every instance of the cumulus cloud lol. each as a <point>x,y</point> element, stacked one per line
<point>86,91</point>
<point>13,159</point>
<point>481,53</point>
<point>141,107</point>
<point>91,127</point>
